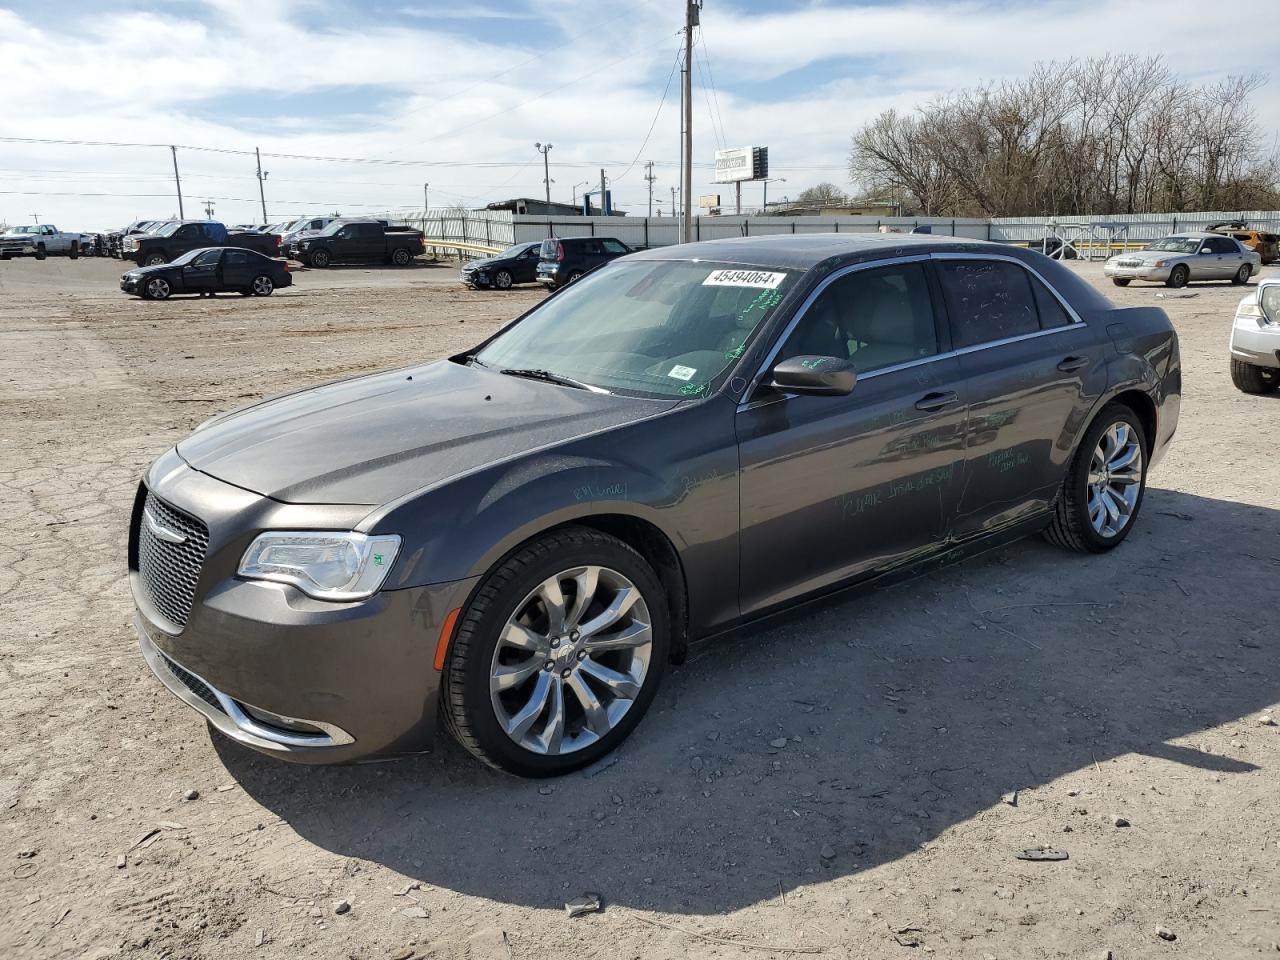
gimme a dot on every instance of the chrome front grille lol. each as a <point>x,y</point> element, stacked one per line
<point>171,549</point>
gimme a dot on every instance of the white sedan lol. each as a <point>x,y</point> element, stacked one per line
<point>1255,340</point>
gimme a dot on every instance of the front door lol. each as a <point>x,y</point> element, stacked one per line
<point>834,489</point>
<point>201,274</point>
<point>1032,371</point>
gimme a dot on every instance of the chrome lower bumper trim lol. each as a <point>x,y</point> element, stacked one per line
<point>229,716</point>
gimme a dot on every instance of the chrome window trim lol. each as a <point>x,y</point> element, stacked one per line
<point>1077,320</point>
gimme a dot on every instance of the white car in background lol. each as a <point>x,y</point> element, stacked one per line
<point>1255,340</point>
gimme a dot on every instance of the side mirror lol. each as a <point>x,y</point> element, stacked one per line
<point>1204,250</point>
<point>818,376</point>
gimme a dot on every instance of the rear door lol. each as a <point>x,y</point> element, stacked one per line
<point>239,267</point>
<point>834,489</point>
<point>371,243</point>
<point>1032,371</point>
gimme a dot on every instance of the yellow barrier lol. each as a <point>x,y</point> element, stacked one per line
<point>461,245</point>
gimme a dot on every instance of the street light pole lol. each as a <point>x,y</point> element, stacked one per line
<point>765,202</point>
<point>544,149</point>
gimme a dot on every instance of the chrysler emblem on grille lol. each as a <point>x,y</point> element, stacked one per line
<point>167,534</point>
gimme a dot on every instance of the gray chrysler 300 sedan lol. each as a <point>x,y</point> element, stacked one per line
<point>516,541</point>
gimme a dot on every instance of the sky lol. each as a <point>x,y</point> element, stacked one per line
<point>455,93</point>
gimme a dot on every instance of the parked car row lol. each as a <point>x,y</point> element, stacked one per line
<point>38,240</point>
<point>207,271</point>
<point>553,262</point>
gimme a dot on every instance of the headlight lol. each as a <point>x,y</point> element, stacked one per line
<point>327,566</point>
<point>1250,309</point>
<point>1158,263</point>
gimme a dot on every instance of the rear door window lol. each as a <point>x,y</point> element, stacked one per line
<point>988,300</point>
<point>613,246</point>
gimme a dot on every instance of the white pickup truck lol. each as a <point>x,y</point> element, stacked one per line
<point>38,241</point>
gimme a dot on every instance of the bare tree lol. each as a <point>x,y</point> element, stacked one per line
<point>822,194</point>
<point>1112,134</point>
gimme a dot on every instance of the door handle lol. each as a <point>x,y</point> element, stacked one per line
<point>937,400</point>
<point>1073,363</point>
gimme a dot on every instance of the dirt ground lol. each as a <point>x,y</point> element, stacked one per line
<point>1131,685</point>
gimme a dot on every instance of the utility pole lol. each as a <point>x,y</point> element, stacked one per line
<point>36,219</point>
<point>691,10</point>
<point>650,177</point>
<point>261,192</point>
<point>426,207</point>
<point>177,181</point>
<point>544,149</point>
<point>208,209</point>
<point>604,210</point>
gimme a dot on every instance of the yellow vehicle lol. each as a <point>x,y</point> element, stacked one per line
<point>1266,245</point>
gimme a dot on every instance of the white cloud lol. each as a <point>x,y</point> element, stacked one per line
<point>151,76</point>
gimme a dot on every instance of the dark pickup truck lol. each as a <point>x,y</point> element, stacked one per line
<point>182,236</point>
<point>356,241</point>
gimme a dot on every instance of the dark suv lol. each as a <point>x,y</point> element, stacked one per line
<point>564,259</point>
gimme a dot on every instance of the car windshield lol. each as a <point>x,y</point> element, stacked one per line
<point>515,251</point>
<point>333,228</point>
<point>653,328</point>
<point>25,230</point>
<point>168,229</point>
<point>1175,245</point>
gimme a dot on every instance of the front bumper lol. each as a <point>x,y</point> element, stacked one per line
<point>18,249</point>
<point>1116,271</point>
<point>129,286</point>
<point>300,679</point>
<point>1255,342</point>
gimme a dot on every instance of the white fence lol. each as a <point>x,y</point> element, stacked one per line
<point>496,228</point>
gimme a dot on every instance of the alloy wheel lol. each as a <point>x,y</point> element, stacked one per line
<point>571,660</point>
<point>158,289</point>
<point>503,280</point>
<point>1115,479</point>
<point>262,286</point>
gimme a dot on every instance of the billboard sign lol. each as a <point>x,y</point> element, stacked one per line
<point>742,163</point>
<point>709,200</point>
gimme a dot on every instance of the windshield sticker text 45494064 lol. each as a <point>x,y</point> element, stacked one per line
<point>761,279</point>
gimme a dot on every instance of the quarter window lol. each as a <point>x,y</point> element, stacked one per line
<point>875,318</point>
<point>236,258</point>
<point>988,300</point>
<point>613,246</point>
<point>1052,313</point>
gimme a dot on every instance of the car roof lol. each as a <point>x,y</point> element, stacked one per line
<point>805,250</point>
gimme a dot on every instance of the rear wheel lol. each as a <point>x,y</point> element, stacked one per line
<point>74,253</point>
<point>576,275</point>
<point>1254,379</point>
<point>558,656</point>
<point>1242,275</point>
<point>1178,276</point>
<point>1102,492</point>
<point>156,288</point>
<point>502,280</point>
<point>401,257</point>
<point>1120,281</point>
<point>262,286</point>
<point>155,259</point>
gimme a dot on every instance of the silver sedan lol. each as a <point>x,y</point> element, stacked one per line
<point>1182,257</point>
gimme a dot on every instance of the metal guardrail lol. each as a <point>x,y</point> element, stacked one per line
<point>432,243</point>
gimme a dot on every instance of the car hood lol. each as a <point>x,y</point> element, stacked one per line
<point>17,236</point>
<point>488,263</point>
<point>153,270</point>
<point>1150,256</point>
<point>374,439</point>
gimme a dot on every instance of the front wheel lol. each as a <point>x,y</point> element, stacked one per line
<point>1178,276</point>
<point>558,656</point>
<point>262,286</point>
<point>1242,275</point>
<point>157,288</point>
<point>1102,492</point>
<point>41,253</point>
<point>502,280</point>
<point>1254,379</point>
<point>1120,281</point>
<point>320,258</point>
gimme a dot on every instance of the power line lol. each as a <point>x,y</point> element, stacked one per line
<point>716,117</point>
<point>661,103</point>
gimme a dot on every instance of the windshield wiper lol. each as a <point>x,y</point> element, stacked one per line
<point>548,377</point>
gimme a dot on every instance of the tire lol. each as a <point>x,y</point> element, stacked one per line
<point>401,256</point>
<point>154,259</point>
<point>502,280</point>
<point>157,288</point>
<point>42,253</point>
<point>472,712</point>
<point>1120,281</point>
<point>1178,276</point>
<point>1071,526</point>
<point>262,286</point>
<point>320,259</point>
<point>1253,379</point>
<point>575,276</point>
<point>74,252</point>
<point>1242,275</point>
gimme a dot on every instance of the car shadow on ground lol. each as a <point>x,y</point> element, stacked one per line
<point>905,712</point>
